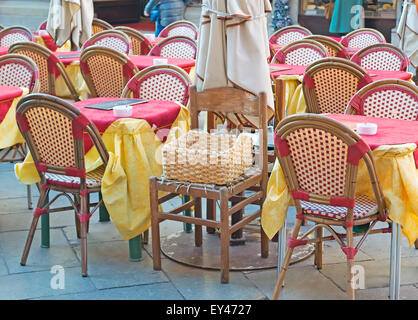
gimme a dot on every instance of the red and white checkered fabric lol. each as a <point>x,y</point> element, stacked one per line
<point>15,74</point>
<point>164,85</point>
<point>289,37</point>
<point>178,49</point>
<point>364,207</point>
<point>382,60</point>
<point>391,103</point>
<point>320,160</point>
<point>362,40</point>
<point>182,30</point>
<point>303,56</point>
<point>12,37</point>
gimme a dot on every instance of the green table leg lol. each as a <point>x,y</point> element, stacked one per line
<point>187,227</point>
<point>45,228</point>
<point>103,214</point>
<point>135,248</point>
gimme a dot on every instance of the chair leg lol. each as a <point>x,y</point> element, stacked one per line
<point>264,244</point>
<point>210,213</point>
<point>286,262</point>
<point>416,244</point>
<point>77,221</point>
<point>225,235</point>
<point>318,249</point>
<point>198,228</point>
<point>29,195</point>
<point>145,237</point>
<point>83,227</point>
<point>41,203</point>
<point>350,263</point>
<point>155,224</point>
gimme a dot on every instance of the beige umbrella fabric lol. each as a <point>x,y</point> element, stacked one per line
<point>408,31</point>
<point>70,19</point>
<point>233,47</point>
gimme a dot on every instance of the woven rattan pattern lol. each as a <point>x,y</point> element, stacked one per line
<point>107,75</point>
<point>182,31</point>
<point>163,86</point>
<point>16,75</point>
<point>319,159</point>
<point>13,37</point>
<point>52,135</point>
<point>42,65</point>
<point>178,49</point>
<point>391,104</point>
<point>303,56</point>
<point>362,40</point>
<point>381,60</point>
<point>289,37</point>
<point>93,178</point>
<point>334,88</point>
<point>114,43</point>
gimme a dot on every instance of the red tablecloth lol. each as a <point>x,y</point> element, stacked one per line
<point>3,50</point>
<point>375,74</point>
<point>7,95</point>
<point>159,114</point>
<point>389,131</point>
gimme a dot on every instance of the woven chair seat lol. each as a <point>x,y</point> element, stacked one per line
<point>93,179</point>
<point>364,207</point>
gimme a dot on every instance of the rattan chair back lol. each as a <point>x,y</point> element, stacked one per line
<point>161,82</point>
<point>49,66</point>
<point>113,39</point>
<point>54,132</point>
<point>288,35</point>
<point>391,99</point>
<point>140,44</point>
<point>99,25</point>
<point>300,53</point>
<point>330,83</point>
<point>19,71</point>
<point>180,28</point>
<point>14,34</point>
<point>382,56</point>
<point>175,47</point>
<point>362,38</point>
<point>106,71</point>
<point>42,26</point>
<point>334,48</point>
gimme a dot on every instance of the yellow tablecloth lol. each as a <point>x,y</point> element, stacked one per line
<point>135,155</point>
<point>9,132</point>
<point>65,48</point>
<point>398,176</point>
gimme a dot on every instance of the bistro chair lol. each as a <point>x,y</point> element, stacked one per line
<point>11,35</point>
<point>1,27</point>
<point>391,99</point>
<point>330,83</point>
<point>319,157</point>
<point>175,47</point>
<point>288,35</point>
<point>161,82</point>
<point>382,56</point>
<point>334,48</point>
<point>18,71</point>
<point>99,25</point>
<point>106,71</point>
<point>222,100</point>
<point>42,26</point>
<point>300,53</point>
<point>362,38</point>
<point>49,66</point>
<point>140,44</point>
<point>54,131</point>
<point>113,39</point>
<point>180,28</point>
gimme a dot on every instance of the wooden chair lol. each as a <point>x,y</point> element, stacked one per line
<point>180,28</point>
<point>288,35</point>
<point>334,48</point>
<point>99,25</point>
<point>362,38</point>
<point>382,56</point>
<point>391,99</point>
<point>161,82</point>
<point>106,71</point>
<point>140,44</point>
<point>330,83</point>
<point>175,47</point>
<point>49,66</point>
<point>11,35</point>
<point>300,53</point>
<point>54,132</point>
<point>42,26</point>
<point>113,39</point>
<point>319,157</point>
<point>18,71</point>
<point>221,100</point>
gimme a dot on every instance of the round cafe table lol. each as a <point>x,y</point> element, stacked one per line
<point>395,153</point>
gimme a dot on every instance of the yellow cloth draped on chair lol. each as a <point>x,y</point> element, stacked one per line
<point>135,154</point>
<point>9,132</point>
<point>74,73</point>
<point>398,176</point>
<point>66,47</point>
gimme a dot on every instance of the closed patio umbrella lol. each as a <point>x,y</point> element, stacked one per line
<point>70,19</point>
<point>408,31</point>
<point>233,47</point>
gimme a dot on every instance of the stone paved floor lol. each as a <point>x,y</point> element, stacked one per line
<point>113,276</point>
